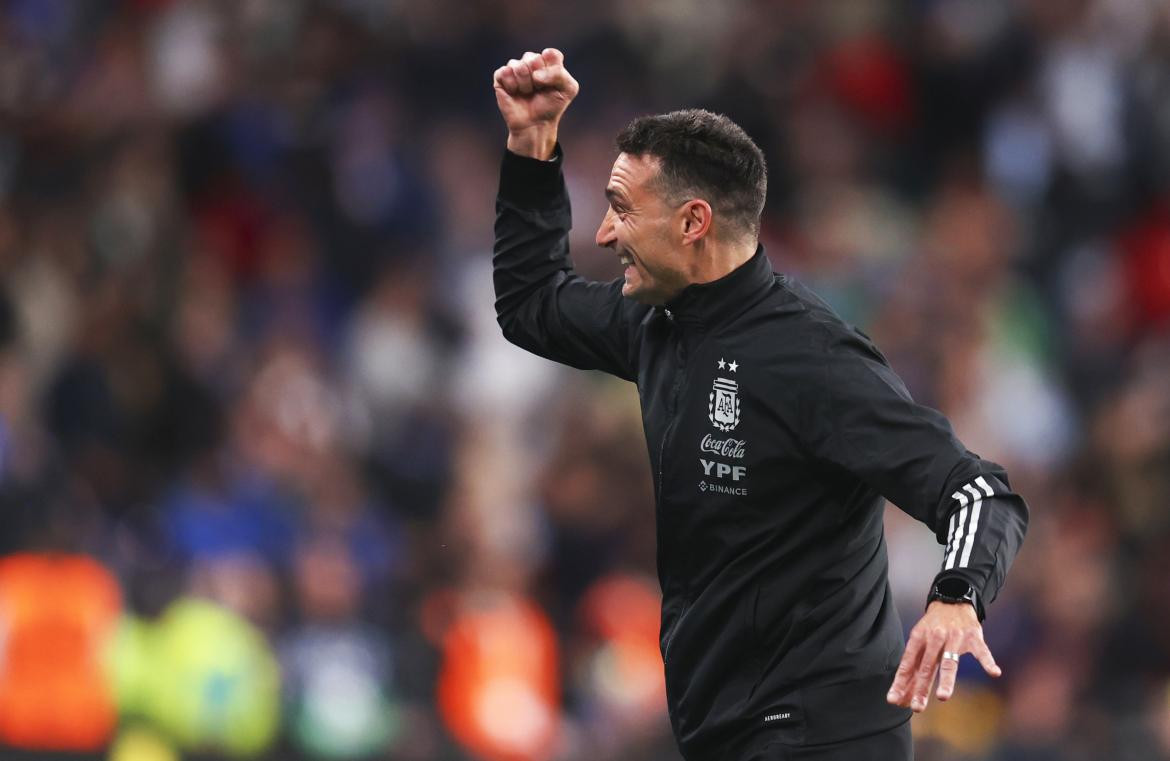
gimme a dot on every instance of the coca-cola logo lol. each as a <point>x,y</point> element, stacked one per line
<point>723,447</point>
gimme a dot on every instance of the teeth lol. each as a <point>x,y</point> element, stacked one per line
<point>626,259</point>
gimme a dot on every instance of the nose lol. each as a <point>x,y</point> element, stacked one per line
<point>606,235</point>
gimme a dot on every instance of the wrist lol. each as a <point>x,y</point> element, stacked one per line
<point>955,590</point>
<point>537,141</point>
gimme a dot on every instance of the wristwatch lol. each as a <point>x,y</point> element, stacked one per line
<point>954,590</point>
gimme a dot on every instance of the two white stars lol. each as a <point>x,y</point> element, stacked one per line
<point>732,366</point>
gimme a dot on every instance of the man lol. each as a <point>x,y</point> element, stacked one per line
<point>774,431</point>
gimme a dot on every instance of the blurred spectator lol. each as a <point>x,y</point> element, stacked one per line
<point>338,671</point>
<point>202,675</point>
<point>58,613</point>
<point>498,689</point>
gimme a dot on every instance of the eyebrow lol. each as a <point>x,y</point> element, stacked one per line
<point>615,197</point>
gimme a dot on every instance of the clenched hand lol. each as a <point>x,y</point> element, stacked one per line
<point>533,93</point>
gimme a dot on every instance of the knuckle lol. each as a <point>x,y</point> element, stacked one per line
<point>938,632</point>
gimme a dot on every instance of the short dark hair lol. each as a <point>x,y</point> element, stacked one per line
<point>703,155</point>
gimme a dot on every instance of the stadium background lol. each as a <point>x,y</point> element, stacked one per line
<point>272,485</point>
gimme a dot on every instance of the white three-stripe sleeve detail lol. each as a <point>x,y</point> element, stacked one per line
<point>950,532</point>
<point>981,482</point>
<point>958,538</point>
<point>976,506</point>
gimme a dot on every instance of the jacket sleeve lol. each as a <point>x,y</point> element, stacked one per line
<point>541,304</point>
<point>860,417</point>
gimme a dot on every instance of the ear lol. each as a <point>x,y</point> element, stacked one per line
<point>695,221</point>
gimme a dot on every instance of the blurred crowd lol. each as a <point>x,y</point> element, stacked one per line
<point>273,486</point>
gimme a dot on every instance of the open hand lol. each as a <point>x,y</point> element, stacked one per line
<point>532,94</point>
<point>946,628</point>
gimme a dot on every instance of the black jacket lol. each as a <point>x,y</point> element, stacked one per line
<point>774,432</point>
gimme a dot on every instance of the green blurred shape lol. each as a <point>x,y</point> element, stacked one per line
<point>141,744</point>
<point>203,675</point>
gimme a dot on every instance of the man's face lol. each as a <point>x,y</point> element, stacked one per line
<point>640,228</point>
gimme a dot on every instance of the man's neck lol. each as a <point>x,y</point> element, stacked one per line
<point>719,259</point>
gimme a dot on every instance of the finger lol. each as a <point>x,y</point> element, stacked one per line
<point>544,75</point>
<point>927,669</point>
<point>949,668</point>
<point>535,61</point>
<point>551,77</point>
<point>507,80</point>
<point>556,76</point>
<point>523,76</point>
<point>900,690</point>
<point>981,652</point>
<point>571,86</point>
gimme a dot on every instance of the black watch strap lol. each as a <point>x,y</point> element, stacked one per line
<point>956,590</point>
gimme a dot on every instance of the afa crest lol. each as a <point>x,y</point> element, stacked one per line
<point>723,404</point>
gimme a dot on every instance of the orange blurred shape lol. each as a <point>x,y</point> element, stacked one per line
<point>620,607</point>
<point>498,687</point>
<point>56,612</point>
<point>626,670</point>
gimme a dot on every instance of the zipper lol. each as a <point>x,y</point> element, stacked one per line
<point>672,411</point>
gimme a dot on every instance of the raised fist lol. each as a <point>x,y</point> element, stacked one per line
<point>532,94</point>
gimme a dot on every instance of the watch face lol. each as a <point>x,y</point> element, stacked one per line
<point>953,587</point>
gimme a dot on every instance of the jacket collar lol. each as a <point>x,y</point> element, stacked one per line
<point>708,304</point>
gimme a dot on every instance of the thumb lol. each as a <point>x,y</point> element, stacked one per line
<point>554,78</point>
